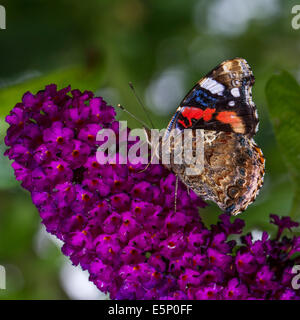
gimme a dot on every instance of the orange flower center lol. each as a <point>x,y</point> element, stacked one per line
<point>60,140</point>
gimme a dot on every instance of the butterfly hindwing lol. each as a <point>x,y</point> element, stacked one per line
<point>221,101</point>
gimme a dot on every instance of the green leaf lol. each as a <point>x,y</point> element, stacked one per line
<point>283,95</point>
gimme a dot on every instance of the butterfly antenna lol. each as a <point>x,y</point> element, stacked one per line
<point>147,129</point>
<point>141,103</point>
<point>134,117</point>
<point>149,119</point>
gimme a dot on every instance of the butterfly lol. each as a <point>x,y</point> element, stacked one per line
<point>220,105</point>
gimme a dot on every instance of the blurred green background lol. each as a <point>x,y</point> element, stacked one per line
<point>163,47</point>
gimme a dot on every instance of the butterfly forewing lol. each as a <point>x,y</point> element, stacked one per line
<point>221,101</point>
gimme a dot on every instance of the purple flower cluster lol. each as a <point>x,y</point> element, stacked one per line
<point>119,223</point>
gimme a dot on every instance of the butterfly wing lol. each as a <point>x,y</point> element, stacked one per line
<point>221,101</point>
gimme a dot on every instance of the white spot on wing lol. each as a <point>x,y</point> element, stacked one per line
<point>213,86</point>
<point>231,103</point>
<point>235,92</point>
<point>257,126</point>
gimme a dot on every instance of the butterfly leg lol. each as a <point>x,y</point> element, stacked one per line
<point>188,190</point>
<point>152,157</point>
<point>176,190</point>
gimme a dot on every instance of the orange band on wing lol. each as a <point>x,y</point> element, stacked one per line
<point>230,117</point>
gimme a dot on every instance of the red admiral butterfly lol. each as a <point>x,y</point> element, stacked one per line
<point>221,105</point>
